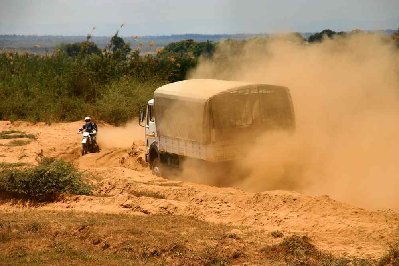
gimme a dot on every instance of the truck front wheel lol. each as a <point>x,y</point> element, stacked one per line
<point>156,167</point>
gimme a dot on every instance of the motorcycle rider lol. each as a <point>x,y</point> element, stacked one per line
<point>90,127</point>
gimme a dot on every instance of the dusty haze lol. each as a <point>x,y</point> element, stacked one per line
<point>120,137</point>
<point>345,93</point>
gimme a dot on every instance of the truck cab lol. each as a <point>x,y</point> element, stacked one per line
<point>147,120</point>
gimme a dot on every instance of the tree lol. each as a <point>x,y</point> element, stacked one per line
<point>70,49</point>
<point>87,48</point>
<point>395,37</point>
<point>118,47</point>
<point>190,47</point>
<point>80,48</point>
<point>318,37</point>
<point>179,57</point>
<point>116,43</point>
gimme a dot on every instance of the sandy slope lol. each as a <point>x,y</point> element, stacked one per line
<point>125,185</point>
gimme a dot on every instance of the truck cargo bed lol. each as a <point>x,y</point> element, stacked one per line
<point>193,149</point>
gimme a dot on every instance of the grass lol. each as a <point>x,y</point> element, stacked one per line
<point>18,138</point>
<point>53,238</point>
<point>15,134</point>
<point>38,237</point>
<point>17,142</point>
<point>150,194</point>
<point>299,250</point>
<point>4,165</point>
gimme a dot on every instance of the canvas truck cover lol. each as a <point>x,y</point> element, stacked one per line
<point>206,110</point>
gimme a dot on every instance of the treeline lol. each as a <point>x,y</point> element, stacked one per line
<point>81,79</point>
<point>110,84</point>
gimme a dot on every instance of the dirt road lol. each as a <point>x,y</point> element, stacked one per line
<point>125,185</point>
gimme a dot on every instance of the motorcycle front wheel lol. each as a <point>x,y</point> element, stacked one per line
<point>84,148</point>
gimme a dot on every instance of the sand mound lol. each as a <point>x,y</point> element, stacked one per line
<point>123,184</point>
<point>132,158</point>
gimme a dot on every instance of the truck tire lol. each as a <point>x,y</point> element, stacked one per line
<point>156,167</point>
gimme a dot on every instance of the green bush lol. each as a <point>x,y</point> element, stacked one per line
<point>45,181</point>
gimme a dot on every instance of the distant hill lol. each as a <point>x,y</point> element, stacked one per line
<point>43,44</point>
<point>147,44</point>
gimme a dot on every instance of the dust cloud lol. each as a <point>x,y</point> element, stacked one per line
<point>345,93</point>
<point>120,137</point>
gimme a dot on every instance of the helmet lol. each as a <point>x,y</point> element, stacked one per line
<point>87,119</point>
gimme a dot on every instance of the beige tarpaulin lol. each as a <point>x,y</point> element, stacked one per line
<point>196,109</point>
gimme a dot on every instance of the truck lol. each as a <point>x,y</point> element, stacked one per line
<point>211,120</point>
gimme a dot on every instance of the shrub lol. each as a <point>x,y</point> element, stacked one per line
<point>298,250</point>
<point>277,234</point>
<point>392,256</point>
<point>122,100</point>
<point>44,182</point>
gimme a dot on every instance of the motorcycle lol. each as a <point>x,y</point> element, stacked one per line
<point>89,143</point>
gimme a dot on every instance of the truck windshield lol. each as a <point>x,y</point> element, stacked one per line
<point>150,114</point>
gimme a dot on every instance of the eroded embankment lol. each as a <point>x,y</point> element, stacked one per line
<point>124,185</point>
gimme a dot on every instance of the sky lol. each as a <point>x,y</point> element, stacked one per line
<point>166,17</point>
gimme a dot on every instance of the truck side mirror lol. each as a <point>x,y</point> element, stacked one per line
<point>141,118</point>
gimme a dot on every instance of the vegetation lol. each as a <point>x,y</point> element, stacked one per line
<point>277,234</point>
<point>146,44</point>
<point>37,237</point>
<point>18,138</point>
<point>298,250</point>
<point>395,37</point>
<point>392,256</point>
<point>4,165</point>
<point>318,37</point>
<point>110,83</point>
<point>83,48</point>
<point>17,142</point>
<point>150,194</point>
<point>43,182</point>
<point>15,134</point>
<point>184,55</point>
<point>79,79</point>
